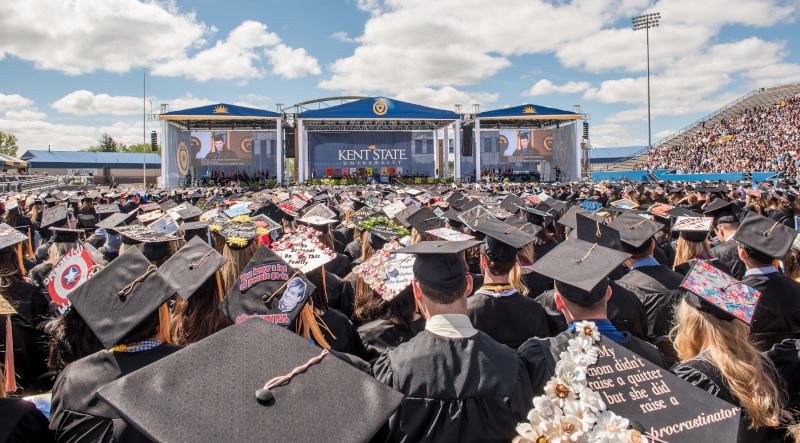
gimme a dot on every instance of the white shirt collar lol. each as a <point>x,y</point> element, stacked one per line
<point>451,326</point>
<point>729,237</point>
<point>761,271</point>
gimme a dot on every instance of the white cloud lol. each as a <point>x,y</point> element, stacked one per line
<point>342,37</point>
<point>37,134</point>
<point>82,36</point>
<point>545,87</point>
<point>13,101</point>
<point>292,63</point>
<point>25,114</point>
<point>446,97</point>
<point>234,58</point>
<point>85,102</point>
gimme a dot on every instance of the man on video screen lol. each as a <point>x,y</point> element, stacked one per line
<point>219,149</point>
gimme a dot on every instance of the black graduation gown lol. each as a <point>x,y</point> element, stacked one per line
<point>541,354</point>
<point>43,251</point>
<point>456,389</point>
<point>21,422</point>
<point>684,268</point>
<point>343,338</point>
<point>657,289</point>
<point>540,251</point>
<point>379,336</point>
<point>728,254</point>
<point>536,283</point>
<point>777,313</point>
<point>707,377</point>
<point>661,257</point>
<point>30,352</point>
<point>347,298</point>
<point>29,301</point>
<point>786,357</point>
<point>353,250</point>
<point>509,320</point>
<point>783,215</point>
<point>342,236</point>
<point>39,272</point>
<point>339,266</point>
<point>624,309</point>
<point>78,414</point>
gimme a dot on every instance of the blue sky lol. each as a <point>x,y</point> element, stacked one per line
<point>72,70</point>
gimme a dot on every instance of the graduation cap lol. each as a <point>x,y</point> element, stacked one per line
<point>438,264</point>
<point>64,235</point>
<point>693,229</point>
<point>121,296</point>
<point>503,240</point>
<point>382,230</point>
<point>110,208</point>
<point>320,210</point>
<point>401,216</point>
<point>681,212</point>
<point>723,212</point>
<point>190,212</point>
<point>57,215</point>
<point>228,368</point>
<point>568,219</point>
<point>144,234</point>
<point>593,231</point>
<point>269,289</point>
<point>473,203</point>
<point>265,222</point>
<point>475,216</point>
<point>303,249</point>
<point>635,230</point>
<point>9,237</point>
<point>238,232</point>
<point>425,220</point>
<point>191,266</point>
<point>580,269</point>
<point>526,226</point>
<point>512,203</point>
<point>387,272</point>
<point>452,217</point>
<point>767,236</point>
<point>719,294</point>
<point>457,200</point>
<point>115,220</point>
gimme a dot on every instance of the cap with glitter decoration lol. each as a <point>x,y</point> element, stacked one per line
<point>503,240</point>
<point>269,289</point>
<point>291,376</point>
<point>635,230</point>
<point>238,232</point>
<point>425,220</point>
<point>9,237</point>
<point>191,266</point>
<point>475,216</point>
<point>439,265</point>
<point>693,229</point>
<point>121,296</point>
<point>719,294</point>
<point>767,236</point>
<point>580,269</point>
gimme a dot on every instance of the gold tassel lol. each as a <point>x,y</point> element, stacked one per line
<point>309,324</point>
<point>219,286</point>
<point>30,245</point>
<point>324,288</point>
<point>163,323</point>
<point>11,379</point>
<point>19,256</point>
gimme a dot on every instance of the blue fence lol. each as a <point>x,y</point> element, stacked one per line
<point>663,174</point>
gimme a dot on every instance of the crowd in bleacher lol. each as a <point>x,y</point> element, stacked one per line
<point>760,139</point>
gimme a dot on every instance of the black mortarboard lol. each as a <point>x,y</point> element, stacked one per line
<point>592,231</point>
<point>578,267</point>
<point>679,211</point>
<point>568,219</point>
<point>115,220</point>
<point>268,288</point>
<point>189,212</point>
<point>635,230</point>
<point>526,226</point>
<point>475,216</point>
<point>9,237</point>
<point>723,212</point>
<point>227,370</point>
<point>503,240</point>
<point>167,205</point>
<point>512,203</point>
<point>238,232</point>
<point>57,215</point>
<point>401,216</point>
<point>192,226</point>
<point>439,265</point>
<point>64,235</point>
<point>424,220</point>
<point>191,266</point>
<point>719,294</point>
<point>471,204</point>
<point>457,200</point>
<point>767,236</point>
<point>143,234</point>
<point>107,209</point>
<point>452,216</point>
<point>121,296</point>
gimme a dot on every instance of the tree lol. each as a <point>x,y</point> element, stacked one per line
<point>137,148</point>
<point>8,144</point>
<point>107,144</point>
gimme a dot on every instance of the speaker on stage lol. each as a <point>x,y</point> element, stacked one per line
<point>153,141</point>
<point>466,141</point>
<point>289,142</point>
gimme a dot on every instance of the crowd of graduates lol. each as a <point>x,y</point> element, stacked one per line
<point>189,321</point>
<point>759,139</point>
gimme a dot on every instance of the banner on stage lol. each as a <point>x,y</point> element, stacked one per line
<point>367,153</point>
<point>232,148</point>
<point>525,145</point>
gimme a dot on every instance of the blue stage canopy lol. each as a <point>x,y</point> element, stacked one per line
<point>378,108</point>
<point>220,111</point>
<point>529,112</point>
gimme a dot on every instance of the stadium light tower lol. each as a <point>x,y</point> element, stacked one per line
<point>646,22</point>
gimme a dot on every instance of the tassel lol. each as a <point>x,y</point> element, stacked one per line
<point>19,256</point>
<point>309,323</point>
<point>11,380</point>
<point>219,286</point>
<point>324,288</point>
<point>30,247</point>
<point>163,323</point>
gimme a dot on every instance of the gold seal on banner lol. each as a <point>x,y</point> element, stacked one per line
<point>562,155</point>
<point>183,159</point>
<point>380,107</point>
<point>247,144</point>
<point>547,143</point>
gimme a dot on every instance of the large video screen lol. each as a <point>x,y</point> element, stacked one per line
<point>525,145</point>
<point>232,148</point>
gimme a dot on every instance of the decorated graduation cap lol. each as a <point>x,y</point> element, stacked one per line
<point>723,212</point>
<point>503,240</point>
<point>693,229</point>
<point>238,232</point>
<point>296,402</point>
<point>475,216</point>
<point>144,234</point>
<point>116,220</point>
<point>592,231</point>
<point>635,231</point>
<point>262,221</point>
<point>387,272</point>
<point>190,212</point>
<point>382,230</point>
<point>9,238</point>
<point>580,269</point>
<point>191,266</point>
<point>268,289</point>
<point>302,249</point>
<point>719,294</point>
<point>439,264</point>
<point>121,297</point>
<point>425,220</point>
<point>766,236</point>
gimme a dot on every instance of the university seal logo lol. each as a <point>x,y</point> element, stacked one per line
<point>183,159</point>
<point>380,108</point>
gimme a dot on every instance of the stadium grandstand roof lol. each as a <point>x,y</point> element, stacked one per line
<point>72,159</point>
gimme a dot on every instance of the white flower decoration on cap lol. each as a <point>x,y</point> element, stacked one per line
<point>588,329</point>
